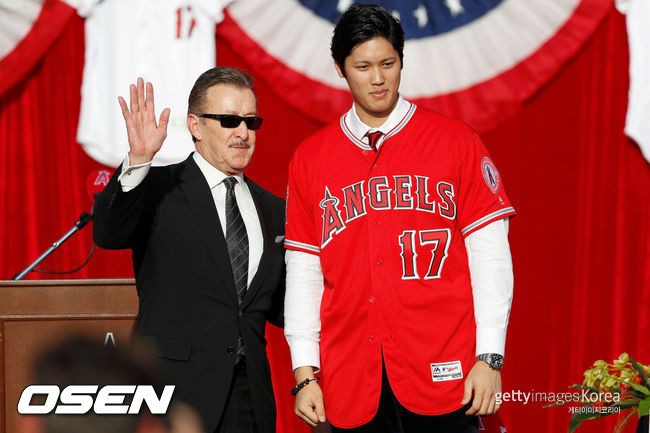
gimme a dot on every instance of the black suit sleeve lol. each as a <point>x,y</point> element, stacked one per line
<point>276,313</point>
<point>119,216</point>
<point>278,207</point>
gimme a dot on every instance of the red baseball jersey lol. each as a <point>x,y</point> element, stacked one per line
<point>389,229</point>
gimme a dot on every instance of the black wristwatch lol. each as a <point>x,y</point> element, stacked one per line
<point>494,360</point>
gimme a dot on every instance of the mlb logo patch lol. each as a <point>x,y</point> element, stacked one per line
<point>490,174</point>
<point>446,371</point>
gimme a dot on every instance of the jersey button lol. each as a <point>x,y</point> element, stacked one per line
<point>372,299</point>
<point>371,339</point>
<point>377,223</point>
<point>380,261</point>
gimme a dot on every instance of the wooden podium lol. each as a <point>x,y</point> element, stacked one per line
<point>35,314</point>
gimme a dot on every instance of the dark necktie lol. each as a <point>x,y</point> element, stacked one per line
<point>373,138</point>
<point>237,240</point>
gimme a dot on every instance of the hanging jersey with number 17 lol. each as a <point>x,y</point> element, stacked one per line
<point>167,42</point>
<point>389,229</point>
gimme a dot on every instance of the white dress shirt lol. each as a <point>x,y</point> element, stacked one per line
<point>360,129</point>
<point>132,176</point>
<point>490,266</point>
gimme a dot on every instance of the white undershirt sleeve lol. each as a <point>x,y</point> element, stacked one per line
<point>304,292</point>
<point>132,175</point>
<point>490,266</point>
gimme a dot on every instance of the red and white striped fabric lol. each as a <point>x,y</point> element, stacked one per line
<point>27,29</point>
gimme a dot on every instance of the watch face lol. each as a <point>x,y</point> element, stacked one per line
<point>496,361</point>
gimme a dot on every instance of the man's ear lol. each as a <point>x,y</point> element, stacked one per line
<point>339,70</point>
<point>193,125</point>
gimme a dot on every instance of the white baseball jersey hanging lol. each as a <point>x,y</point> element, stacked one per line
<point>167,42</point>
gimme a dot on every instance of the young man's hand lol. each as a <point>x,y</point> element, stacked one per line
<point>309,401</point>
<point>482,383</point>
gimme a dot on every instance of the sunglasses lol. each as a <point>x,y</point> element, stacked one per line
<point>232,120</point>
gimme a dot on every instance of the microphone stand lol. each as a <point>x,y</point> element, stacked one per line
<point>84,219</point>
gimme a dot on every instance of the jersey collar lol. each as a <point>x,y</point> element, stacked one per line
<point>356,130</point>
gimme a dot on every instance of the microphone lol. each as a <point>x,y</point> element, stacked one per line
<point>95,184</point>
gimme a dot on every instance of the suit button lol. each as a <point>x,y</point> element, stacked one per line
<point>230,350</point>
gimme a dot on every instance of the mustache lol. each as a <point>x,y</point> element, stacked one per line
<point>240,143</point>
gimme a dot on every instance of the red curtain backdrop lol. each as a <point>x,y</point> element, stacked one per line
<point>580,242</point>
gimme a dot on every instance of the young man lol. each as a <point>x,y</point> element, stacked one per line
<point>207,251</point>
<point>389,214</point>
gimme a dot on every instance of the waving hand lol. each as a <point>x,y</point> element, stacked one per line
<point>145,135</point>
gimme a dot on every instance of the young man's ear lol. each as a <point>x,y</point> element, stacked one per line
<point>193,125</point>
<point>339,70</point>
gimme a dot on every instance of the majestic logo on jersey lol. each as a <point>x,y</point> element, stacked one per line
<point>444,371</point>
<point>410,192</point>
<point>490,174</point>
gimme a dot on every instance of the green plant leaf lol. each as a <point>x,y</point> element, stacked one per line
<point>637,394</point>
<point>557,403</point>
<point>644,407</point>
<point>621,424</point>
<point>590,388</point>
<point>633,401</point>
<point>639,368</point>
<point>640,388</point>
<point>626,405</point>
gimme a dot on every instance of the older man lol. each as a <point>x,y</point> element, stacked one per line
<point>207,250</point>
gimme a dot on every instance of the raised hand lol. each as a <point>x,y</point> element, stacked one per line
<point>145,136</point>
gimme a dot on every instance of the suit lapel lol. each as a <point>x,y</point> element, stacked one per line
<point>264,214</point>
<point>199,198</point>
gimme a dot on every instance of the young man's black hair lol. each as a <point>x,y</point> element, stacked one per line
<point>360,23</point>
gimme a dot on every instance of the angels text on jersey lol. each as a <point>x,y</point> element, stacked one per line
<point>407,192</point>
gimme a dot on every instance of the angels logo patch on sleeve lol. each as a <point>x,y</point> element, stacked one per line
<point>490,174</point>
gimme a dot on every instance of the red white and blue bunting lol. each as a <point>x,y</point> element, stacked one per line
<point>475,60</point>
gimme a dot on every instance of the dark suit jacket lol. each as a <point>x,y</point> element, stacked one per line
<point>188,303</point>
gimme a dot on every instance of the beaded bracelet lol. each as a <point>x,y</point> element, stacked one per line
<point>303,384</point>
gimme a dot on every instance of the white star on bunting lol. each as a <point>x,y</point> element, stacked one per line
<point>421,15</point>
<point>455,7</point>
<point>344,5</point>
